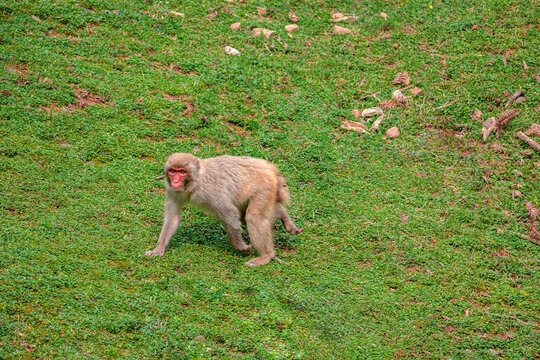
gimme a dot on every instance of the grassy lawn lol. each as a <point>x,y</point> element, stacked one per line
<point>411,247</point>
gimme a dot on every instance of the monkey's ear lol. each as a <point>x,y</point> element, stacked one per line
<point>194,168</point>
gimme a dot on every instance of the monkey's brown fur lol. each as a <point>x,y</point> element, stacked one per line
<point>233,189</point>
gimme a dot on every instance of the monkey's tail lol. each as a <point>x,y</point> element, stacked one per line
<point>283,196</point>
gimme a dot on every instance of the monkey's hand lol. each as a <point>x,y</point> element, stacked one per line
<point>155,252</point>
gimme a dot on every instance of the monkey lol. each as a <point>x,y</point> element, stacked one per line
<point>234,189</point>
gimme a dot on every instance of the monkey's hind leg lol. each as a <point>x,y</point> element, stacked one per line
<point>233,227</point>
<point>259,224</point>
<point>281,213</point>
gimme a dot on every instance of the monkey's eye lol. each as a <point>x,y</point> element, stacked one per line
<point>182,171</point>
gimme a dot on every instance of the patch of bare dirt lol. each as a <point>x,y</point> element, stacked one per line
<point>84,98</point>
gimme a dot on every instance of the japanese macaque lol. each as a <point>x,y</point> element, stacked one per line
<point>236,190</point>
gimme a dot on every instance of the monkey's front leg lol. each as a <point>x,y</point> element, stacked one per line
<point>171,220</point>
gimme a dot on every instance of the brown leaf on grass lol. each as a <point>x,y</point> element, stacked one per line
<point>504,60</point>
<point>533,212</point>
<point>399,97</point>
<point>497,147</point>
<point>383,14</point>
<point>450,103</point>
<point>362,80</point>
<point>402,78</point>
<point>262,11</point>
<point>504,119</point>
<point>356,113</point>
<point>488,126</point>
<point>392,133</point>
<point>354,126</point>
<point>474,27</point>
<point>35,18</point>
<point>337,15</point>
<point>176,13</point>
<point>533,130</point>
<point>374,111</point>
<point>235,26</point>
<point>514,97</point>
<point>403,217</point>
<point>293,17</point>
<point>525,66</point>
<point>388,104</point>
<point>376,123</point>
<point>337,18</point>
<point>340,30</point>
<point>291,27</point>
<point>261,31</point>
<point>477,115</point>
<point>416,91</point>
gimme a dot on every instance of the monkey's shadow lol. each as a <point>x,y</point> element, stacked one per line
<point>210,232</point>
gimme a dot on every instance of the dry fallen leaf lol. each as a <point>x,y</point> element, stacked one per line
<point>292,27</point>
<point>353,125</point>
<point>376,123</point>
<point>525,66</point>
<point>488,126</point>
<point>533,130</point>
<point>262,11</point>
<point>392,133</point>
<point>258,31</point>
<point>403,217</point>
<point>514,97</point>
<point>337,15</point>
<point>339,30</point>
<point>35,18</point>
<point>231,51</point>
<point>416,91</point>
<point>402,78</point>
<point>293,17</point>
<point>399,97</point>
<point>343,18</point>
<point>388,104</point>
<point>235,26</point>
<point>477,115</point>
<point>384,15</point>
<point>356,113</point>
<point>372,112</point>
<point>182,15</point>
<point>504,119</point>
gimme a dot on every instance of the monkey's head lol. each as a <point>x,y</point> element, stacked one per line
<point>180,169</point>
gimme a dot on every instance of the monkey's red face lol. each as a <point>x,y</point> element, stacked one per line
<point>177,176</point>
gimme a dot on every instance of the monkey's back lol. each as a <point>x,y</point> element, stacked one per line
<point>239,177</point>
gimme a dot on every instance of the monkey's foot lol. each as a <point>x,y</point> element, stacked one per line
<point>294,230</point>
<point>154,252</point>
<point>261,260</point>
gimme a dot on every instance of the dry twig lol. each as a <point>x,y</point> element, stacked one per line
<point>528,141</point>
<point>514,97</point>
<point>504,119</point>
<point>402,78</point>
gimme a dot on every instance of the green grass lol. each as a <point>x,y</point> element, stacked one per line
<point>79,204</point>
